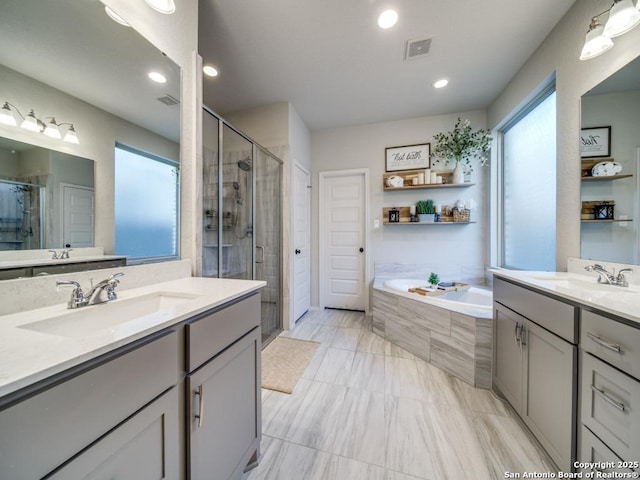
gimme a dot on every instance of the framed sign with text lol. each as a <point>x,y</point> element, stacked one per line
<point>595,142</point>
<point>407,157</point>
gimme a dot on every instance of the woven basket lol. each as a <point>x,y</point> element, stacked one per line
<point>463,215</point>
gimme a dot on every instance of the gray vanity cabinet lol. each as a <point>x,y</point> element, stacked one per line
<point>535,367</point>
<point>223,392</point>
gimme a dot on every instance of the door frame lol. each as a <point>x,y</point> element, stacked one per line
<point>323,176</point>
<point>302,168</point>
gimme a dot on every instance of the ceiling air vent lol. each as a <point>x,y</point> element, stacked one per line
<point>168,100</point>
<point>418,47</point>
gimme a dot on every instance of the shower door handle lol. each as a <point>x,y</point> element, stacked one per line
<point>260,259</point>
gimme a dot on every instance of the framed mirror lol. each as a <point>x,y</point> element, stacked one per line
<point>68,61</point>
<point>610,192</point>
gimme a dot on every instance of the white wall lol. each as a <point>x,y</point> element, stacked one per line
<point>614,242</point>
<point>560,53</point>
<point>363,146</point>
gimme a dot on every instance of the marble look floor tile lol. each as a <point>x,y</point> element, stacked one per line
<point>479,400</point>
<point>508,447</point>
<point>348,469</point>
<point>391,475</point>
<point>303,330</point>
<point>367,372</point>
<point>361,432</point>
<point>335,367</point>
<point>286,461</point>
<point>401,378</point>
<point>353,320</point>
<point>439,385</point>
<point>280,409</point>
<point>370,342</point>
<point>393,350</point>
<point>346,338</point>
<point>317,419</point>
<point>314,365</point>
<point>323,334</point>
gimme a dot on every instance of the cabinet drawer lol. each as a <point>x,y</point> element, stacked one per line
<point>209,335</point>
<point>63,420</point>
<point>596,456</point>
<point>554,315</point>
<point>611,406</point>
<point>612,341</point>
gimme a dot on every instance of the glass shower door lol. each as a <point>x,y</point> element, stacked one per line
<point>268,228</point>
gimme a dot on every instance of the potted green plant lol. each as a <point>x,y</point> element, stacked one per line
<point>462,145</point>
<point>434,280</point>
<point>426,210</point>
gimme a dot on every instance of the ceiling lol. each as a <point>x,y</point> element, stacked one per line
<point>337,67</point>
<point>74,47</point>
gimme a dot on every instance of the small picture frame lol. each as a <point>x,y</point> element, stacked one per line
<point>407,157</point>
<point>595,142</point>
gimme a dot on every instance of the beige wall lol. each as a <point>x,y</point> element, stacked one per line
<point>559,52</point>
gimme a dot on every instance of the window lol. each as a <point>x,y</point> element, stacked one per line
<point>528,202</point>
<point>146,205</point>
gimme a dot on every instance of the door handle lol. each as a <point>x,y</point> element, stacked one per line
<point>261,248</point>
<point>200,416</point>
<point>298,251</point>
<point>361,249</point>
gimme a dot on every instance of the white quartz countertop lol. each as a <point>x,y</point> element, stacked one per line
<point>32,262</point>
<point>28,356</point>
<point>584,289</point>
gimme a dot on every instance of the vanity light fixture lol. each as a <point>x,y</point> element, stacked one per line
<point>115,17</point>
<point>623,17</point>
<point>210,71</point>
<point>162,6</point>
<point>34,124</point>
<point>157,77</point>
<point>387,19</point>
<point>7,117</point>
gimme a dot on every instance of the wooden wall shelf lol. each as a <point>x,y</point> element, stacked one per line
<point>408,175</point>
<point>614,220</point>
<point>423,187</point>
<point>603,178</point>
<point>386,222</point>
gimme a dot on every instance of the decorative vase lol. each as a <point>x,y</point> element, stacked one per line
<point>426,217</point>
<point>458,173</point>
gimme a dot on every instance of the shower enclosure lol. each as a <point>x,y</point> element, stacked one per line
<point>241,207</point>
<point>20,216</point>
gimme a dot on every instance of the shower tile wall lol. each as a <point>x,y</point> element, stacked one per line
<point>20,216</point>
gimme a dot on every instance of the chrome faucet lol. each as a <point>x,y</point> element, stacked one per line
<point>619,280</point>
<point>95,295</point>
<point>64,253</point>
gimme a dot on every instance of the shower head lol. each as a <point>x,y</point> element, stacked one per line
<point>245,164</point>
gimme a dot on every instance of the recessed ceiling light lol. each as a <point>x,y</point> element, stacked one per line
<point>115,17</point>
<point>157,77</point>
<point>387,19</point>
<point>210,71</point>
<point>162,6</point>
<point>441,83</point>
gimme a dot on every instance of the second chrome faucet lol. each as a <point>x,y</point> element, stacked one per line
<point>609,278</point>
<point>101,292</point>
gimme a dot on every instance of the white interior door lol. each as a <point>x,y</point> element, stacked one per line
<point>77,216</point>
<point>301,243</point>
<point>343,221</point>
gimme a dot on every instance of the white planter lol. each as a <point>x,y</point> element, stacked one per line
<point>458,174</point>
<point>426,217</point>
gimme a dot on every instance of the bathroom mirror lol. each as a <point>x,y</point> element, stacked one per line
<point>67,59</point>
<point>614,103</point>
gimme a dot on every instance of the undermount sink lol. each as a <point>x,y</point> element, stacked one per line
<point>586,283</point>
<point>86,321</point>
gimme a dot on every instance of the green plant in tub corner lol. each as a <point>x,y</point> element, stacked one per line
<point>462,144</point>
<point>434,279</point>
<point>425,207</point>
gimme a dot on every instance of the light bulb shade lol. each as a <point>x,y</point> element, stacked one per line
<point>7,116</point>
<point>595,43</point>
<point>162,6</point>
<point>31,123</point>
<point>623,16</point>
<point>52,130</point>
<point>115,17</point>
<point>71,136</point>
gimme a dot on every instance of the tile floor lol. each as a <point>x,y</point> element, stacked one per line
<point>366,409</point>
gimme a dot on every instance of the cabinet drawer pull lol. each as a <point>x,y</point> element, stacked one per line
<point>601,341</point>
<point>200,416</point>
<point>517,334</point>
<point>608,399</point>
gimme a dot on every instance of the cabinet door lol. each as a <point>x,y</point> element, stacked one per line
<point>145,447</point>
<point>224,418</point>
<point>550,367</point>
<point>507,356</point>
<point>596,456</point>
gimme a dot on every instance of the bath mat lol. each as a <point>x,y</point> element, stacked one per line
<point>283,362</point>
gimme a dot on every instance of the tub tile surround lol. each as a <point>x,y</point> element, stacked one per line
<point>473,275</point>
<point>459,344</point>
<point>397,417</point>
